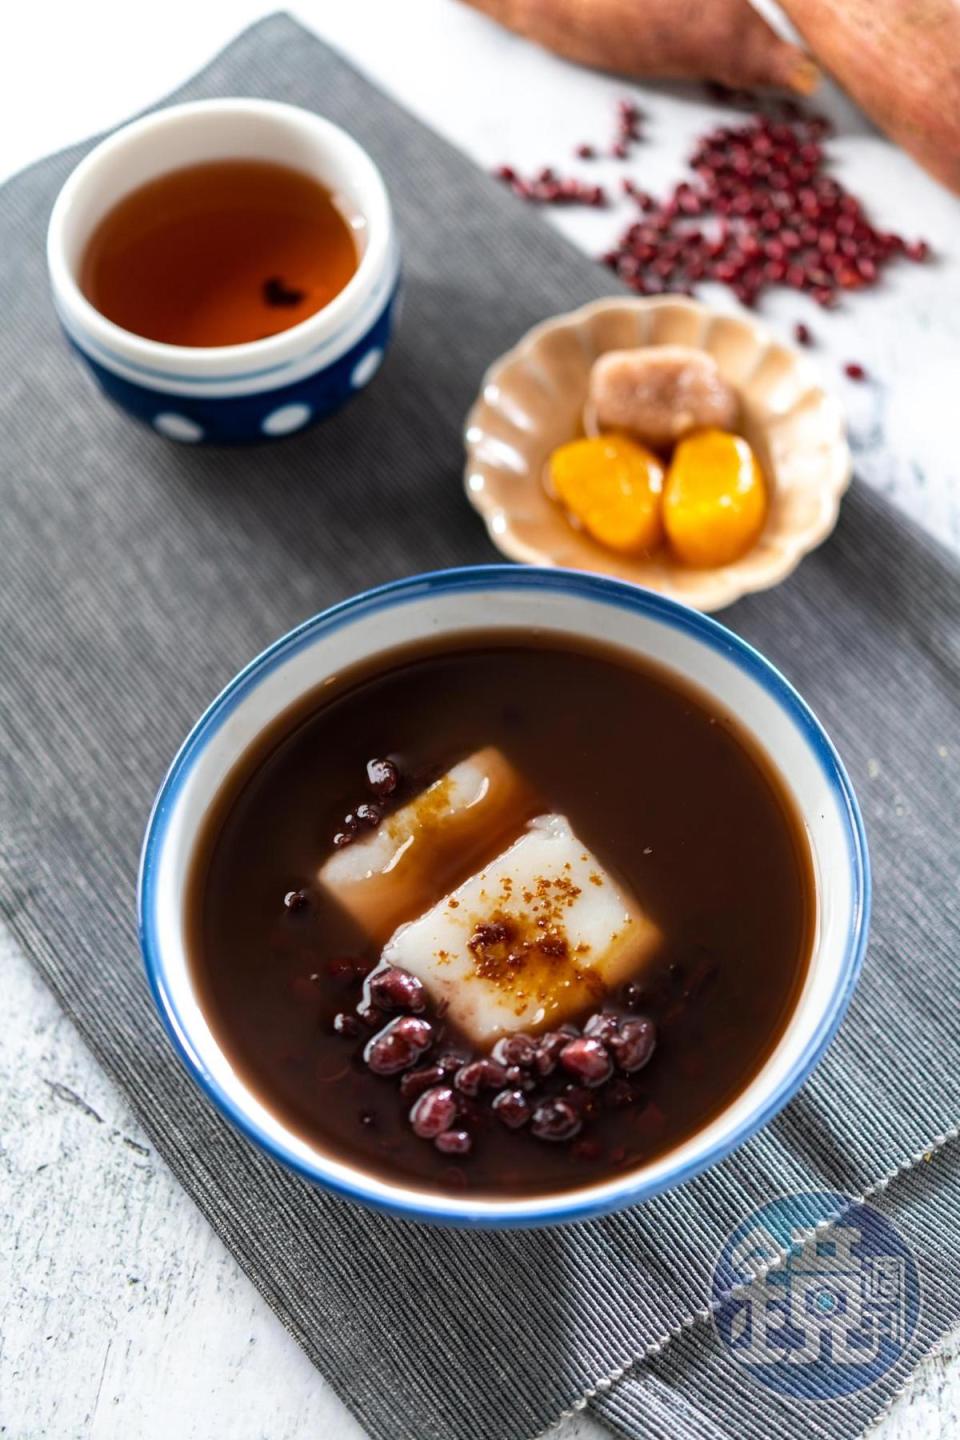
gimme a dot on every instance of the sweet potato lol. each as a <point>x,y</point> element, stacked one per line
<point>723,40</point>
<point>900,60</point>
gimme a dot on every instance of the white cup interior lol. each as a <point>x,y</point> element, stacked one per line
<point>211,130</point>
<point>749,691</point>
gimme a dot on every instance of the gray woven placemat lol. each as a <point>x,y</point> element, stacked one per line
<point>137,577</point>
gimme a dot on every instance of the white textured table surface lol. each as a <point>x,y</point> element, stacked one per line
<point>123,1316</point>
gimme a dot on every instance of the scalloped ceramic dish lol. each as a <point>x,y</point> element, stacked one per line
<point>532,400</point>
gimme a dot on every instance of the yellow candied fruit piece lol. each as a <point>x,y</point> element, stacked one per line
<point>612,486</point>
<point>715,500</point>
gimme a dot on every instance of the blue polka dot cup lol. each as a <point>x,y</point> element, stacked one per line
<point>267,388</point>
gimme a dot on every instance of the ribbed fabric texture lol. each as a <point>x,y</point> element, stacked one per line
<point>136,577</point>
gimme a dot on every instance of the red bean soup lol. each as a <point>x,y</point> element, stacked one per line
<point>502,916</point>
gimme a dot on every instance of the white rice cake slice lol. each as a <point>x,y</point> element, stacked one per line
<point>393,873</point>
<point>534,937</point>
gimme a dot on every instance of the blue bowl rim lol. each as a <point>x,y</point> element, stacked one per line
<point>564,1207</point>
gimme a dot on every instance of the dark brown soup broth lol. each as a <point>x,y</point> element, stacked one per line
<point>667,792</point>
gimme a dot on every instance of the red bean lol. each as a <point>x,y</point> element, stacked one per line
<point>434,1112</point>
<point>394,989</point>
<point>768,176</point>
<point>588,1060</point>
<point>556,1120</point>
<point>388,1053</point>
<point>414,1082</point>
<point>512,1108</point>
<point>417,1032</point>
<point>480,1075</point>
<point>398,1045</point>
<point>548,1053</point>
<point>454,1142</point>
<point>516,1049</point>
<point>383,777</point>
<point>635,1044</point>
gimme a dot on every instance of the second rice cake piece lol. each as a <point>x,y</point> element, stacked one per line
<point>533,938</point>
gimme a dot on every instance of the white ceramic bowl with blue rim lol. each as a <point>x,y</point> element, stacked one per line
<point>267,388</point>
<point>465,601</point>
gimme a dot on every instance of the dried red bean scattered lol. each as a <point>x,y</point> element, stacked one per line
<point>434,1112</point>
<point>802,334</point>
<point>383,777</point>
<point>759,210</point>
<point>853,371</point>
<point>773,217</point>
<point>454,1142</point>
<point>548,188</point>
<point>296,899</point>
<point>629,117</point>
<point>585,152</point>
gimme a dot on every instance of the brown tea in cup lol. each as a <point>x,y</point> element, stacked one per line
<point>220,253</point>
